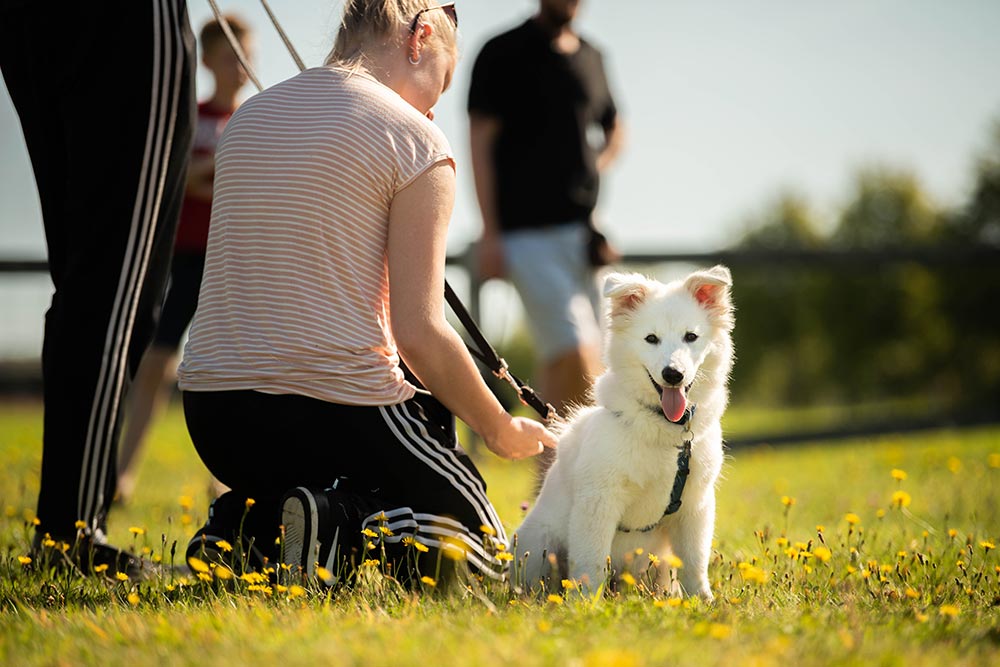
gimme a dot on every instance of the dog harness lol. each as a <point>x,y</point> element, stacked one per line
<point>680,478</point>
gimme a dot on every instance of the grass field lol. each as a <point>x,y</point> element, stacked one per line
<point>877,551</point>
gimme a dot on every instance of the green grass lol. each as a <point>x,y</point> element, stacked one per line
<point>901,597</point>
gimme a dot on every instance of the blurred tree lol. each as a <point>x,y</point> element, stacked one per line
<point>888,209</point>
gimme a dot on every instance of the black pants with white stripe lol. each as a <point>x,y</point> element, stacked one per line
<point>104,93</point>
<point>405,456</point>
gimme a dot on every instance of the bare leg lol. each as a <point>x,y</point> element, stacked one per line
<point>565,381</point>
<point>149,391</point>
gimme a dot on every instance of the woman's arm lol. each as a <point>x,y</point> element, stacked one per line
<point>418,224</point>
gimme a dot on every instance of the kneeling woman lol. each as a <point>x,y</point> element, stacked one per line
<point>324,271</point>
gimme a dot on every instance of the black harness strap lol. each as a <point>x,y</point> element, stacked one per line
<point>680,478</point>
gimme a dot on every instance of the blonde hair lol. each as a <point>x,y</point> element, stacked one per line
<point>371,24</point>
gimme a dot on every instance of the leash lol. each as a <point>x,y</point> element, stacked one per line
<point>483,351</point>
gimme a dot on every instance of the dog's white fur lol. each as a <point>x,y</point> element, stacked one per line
<point>616,460</point>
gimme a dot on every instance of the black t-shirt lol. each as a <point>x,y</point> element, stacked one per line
<point>546,102</point>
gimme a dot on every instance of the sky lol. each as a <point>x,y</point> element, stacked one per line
<point>727,104</point>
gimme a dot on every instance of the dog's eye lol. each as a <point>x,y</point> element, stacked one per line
<point>690,337</point>
<point>652,339</point>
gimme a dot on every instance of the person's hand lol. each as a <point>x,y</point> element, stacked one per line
<point>520,438</point>
<point>490,260</point>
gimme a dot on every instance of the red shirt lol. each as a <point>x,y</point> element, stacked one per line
<point>192,230</point>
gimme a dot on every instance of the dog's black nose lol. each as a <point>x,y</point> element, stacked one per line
<point>672,376</point>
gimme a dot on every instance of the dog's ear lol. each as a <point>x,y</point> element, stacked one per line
<point>625,291</point>
<point>711,289</point>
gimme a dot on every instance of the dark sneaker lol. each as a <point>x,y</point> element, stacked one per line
<point>323,529</point>
<point>89,555</point>
<point>219,540</point>
<point>305,514</point>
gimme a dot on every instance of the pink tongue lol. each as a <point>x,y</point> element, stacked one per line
<point>673,403</point>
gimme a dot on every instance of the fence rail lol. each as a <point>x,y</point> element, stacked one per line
<point>758,258</point>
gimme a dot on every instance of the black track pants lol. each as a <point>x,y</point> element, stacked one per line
<point>104,93</point>
<point>405,456</point>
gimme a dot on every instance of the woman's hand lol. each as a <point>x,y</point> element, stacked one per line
<point>519,438</point>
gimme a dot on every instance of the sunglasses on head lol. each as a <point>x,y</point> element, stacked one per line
<point>448,9</point>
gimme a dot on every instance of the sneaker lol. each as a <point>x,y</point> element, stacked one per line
<point>219,540</point>
<point>90,555</point>
<point>323,528</point>
<point>305,514</point>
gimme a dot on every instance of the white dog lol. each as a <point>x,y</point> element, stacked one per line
<point>619,482</point>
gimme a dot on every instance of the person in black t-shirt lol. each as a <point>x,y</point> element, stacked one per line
<point>538,95</point>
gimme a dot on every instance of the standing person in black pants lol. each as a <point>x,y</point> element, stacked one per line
<point>104,93</point>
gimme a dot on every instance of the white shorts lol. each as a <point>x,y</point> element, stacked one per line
<point>550,271</point>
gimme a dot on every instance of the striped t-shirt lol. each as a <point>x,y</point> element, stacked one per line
<point>295,297</point>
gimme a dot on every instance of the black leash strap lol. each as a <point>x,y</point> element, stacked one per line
<point>485,353</point>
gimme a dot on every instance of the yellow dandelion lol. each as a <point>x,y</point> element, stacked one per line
<point>488,530</point>
<point>851,569</point>
<point>822,554</point>
<point>204,576</point>
<point>368,532</point>
<point>24,560</point>
<point>324,574</point>
<point>133,599</point>
<point>453,548</point>
<point>674,602</point>
<point>381,517</point>
<point>48,542</point>
<point>385,530</point>
<point>100,568</point>
<point>912,594</point>
<point>820,528</point>
<point>659,604</point>
<point>260,588</point>
<point>654,560</point>
<point>225,546</point>
<point>628,579</point>
<point>186,519</point>
<point>370,545</point>
<point>136,530</point>
<point>555,599</point>
<point>80,525</point>
<point>675,562</point>
<point>295,591</point>
<point>949,610</point>
<point>223,572</point>
<point>568,584</point>
<point>782,542</point>
<point>198,565</point>
<point>428,581</point>
<point>638,551</point>
<point>36,521</point>
<point>987,546</point>
<point>250,502</point>
<point>505,556</point>
<point>719,631</point>
<point>278,588</point>
<point>880,513</point>
<point>420,546</point>
<point>371,562</point>
<point>852,518</point>
<point>898,475</point>
<point>186,503</point>
<point>121,576</point>
<point>993,460</point>
<point>954,465</point>
<point>921,617</point>
<point>787,501</point>
<point>900,555</point>
<point>900,499</point>
<point>544,626</point>
<point>952,533</point>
